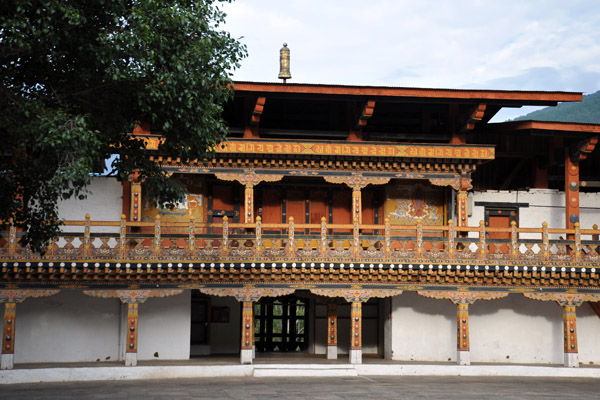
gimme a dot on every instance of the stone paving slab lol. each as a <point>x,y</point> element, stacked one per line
<point>333,388</point>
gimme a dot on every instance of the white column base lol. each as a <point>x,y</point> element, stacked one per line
<point>246,356</point>
<point>7,361</point>
<point>332,352</point>
<point>572,360</point>
<point>355,356</point>
<point>463,357</point>
<point>130,359</point>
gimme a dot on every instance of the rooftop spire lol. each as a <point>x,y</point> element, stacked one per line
<point>284,63</point>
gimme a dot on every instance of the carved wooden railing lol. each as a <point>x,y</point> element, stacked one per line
<point>418,244</point>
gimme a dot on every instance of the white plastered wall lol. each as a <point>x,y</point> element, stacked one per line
<point>509,330</point>
<point>164,328</point>
<point>103,203</point>
<point>67,327</point>
<point>423,329</point>
<point>545,205</point>
<point>73,327</point>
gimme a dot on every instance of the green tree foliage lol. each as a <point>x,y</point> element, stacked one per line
<point>587,111</point>
<point>76,77</point>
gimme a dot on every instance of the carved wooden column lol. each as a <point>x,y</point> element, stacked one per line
<point>463,342</point>
<point>356,297</point>
<point>569,303</point>
<point>461,202</point>
<point>132,297</point>
<point>570,332</point>
<point>135,197</point>
<point>461,184</point>
<point>332,349</point>
<point>357,203</point>
<point>132,334</point>
<point>462,301</point>
<point>571,190</point>
<point>356,333</point>
<point>11,297</point>
<point>247,296</point>
<point>249,203</point>
<point>8,336</point>
<point>357,182</point>
<point>249,179</point>
<point>247,332</point>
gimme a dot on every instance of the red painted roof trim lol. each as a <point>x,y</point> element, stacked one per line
<point>467,94</point>
<point>543,125</point>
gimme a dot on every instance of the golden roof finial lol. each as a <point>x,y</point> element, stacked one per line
<point>284,63</point>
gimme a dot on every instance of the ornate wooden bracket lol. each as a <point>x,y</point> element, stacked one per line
<point>249,177</point>
<point>357,180</point>
<point>358,295</point>
<point>247,294</point>
<point>461,297</point>
<point>19,295</point>
<point>563,299</point>
<point>456,182</point>
<point>132,296</point>
<point>582,149</point>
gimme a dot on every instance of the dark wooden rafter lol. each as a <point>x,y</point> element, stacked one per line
<point>366,113</point>
<point>475,116</point>
<point>581,150</point>
<point>251,131</point>
<point>356,127</point>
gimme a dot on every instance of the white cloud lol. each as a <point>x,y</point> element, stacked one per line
<point>434,43</point>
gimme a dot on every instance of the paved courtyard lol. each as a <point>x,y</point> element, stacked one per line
<point>402,387</point>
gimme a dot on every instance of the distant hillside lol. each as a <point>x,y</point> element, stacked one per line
<point>587,111</point>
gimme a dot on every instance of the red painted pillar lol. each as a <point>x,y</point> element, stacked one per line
<point>571,190</point>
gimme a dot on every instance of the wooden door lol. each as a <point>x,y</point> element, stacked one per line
<point>341,208</point>
<point>295,206</point>
<point>318,207</point>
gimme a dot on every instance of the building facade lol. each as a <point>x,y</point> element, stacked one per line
<point>336,221</point>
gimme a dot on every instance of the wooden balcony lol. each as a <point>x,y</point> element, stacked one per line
<point>122,251</point>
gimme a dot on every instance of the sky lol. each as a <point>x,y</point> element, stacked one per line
<point>548,45</point>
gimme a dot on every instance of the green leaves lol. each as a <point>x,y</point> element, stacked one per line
<point>76,77</point>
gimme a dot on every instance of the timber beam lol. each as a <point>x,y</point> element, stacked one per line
<point>582,149</point>
<point>366,113</point>
<point>251,131</point>
<point>475,116</point>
